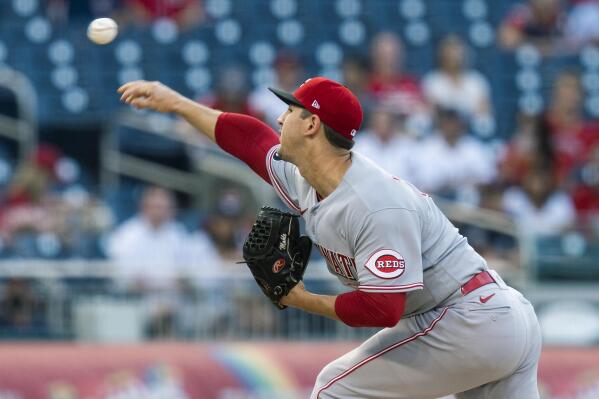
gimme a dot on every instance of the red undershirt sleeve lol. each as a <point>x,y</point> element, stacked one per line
<point>366,309</point>
<point>247,139</point>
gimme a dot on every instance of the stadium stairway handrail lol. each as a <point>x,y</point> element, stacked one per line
<point>213,164</point>
<point>496,222</point>
<point>23,128</point>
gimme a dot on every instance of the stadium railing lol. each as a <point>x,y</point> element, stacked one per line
<point>94,301</point>
<point>131,145</point>
<point>21,127</point>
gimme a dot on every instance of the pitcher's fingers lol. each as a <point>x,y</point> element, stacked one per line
<point>126,97</point>
<point>141,102</point>
<point>134,91</point>
<point>129,84</point>
<point>127,93</point>
<point>125,87</point>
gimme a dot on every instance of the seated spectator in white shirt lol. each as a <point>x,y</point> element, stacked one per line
<point>453,85</point>
<point>451,163</point>
<point>151,249</point>
<point>156,257</point>
<point>386,143</point>
<point>537,207</point>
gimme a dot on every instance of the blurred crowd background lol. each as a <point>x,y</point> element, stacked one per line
<point>491,106</point>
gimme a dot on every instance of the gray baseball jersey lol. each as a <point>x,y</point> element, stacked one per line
<point>379,233</point>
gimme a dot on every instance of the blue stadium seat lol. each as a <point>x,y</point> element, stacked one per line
<point>136,142</point>
<point>446,17</point>
<point>498,10</point>
<point>98,69</point>
<point>124,199</point>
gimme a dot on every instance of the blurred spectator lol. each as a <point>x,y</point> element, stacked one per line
<point>537,22</point>
<point>36,220</point>
<point>152,249</point>
<point>229,225</point>
<point>355,76</point>
<point>6,172</point>
<point>72,11</point>
<point>581,26</point>
<point>185,13</point>
<point>538,207</point>
<point>450,163</point>
<point>389,85</point>
<point>17,304</point>
<point>87,219</point>
<point>557,140</point>
<point>289,74</point>
<point>530,148</point>
<point>499,249</point>
<point>34,177</point>
<point>157,258</point>
<point>452,85</point>
<point>231,92</point>
<point>386,143</point>
<point>23,308</point>
<point>586,192</point>
<point>571,135</point>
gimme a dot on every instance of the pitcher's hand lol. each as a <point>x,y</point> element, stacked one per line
<point>152,95</point>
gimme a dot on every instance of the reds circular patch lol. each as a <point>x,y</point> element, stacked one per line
<point>278,265</point>
<point>386,263</point>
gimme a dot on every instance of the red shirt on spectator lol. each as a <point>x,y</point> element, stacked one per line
<point>163,8</point>
<point>586,200</point>
<point>572,144</point>
<point>403,93</point>
<point>524,19</point>
<point>586,194</point>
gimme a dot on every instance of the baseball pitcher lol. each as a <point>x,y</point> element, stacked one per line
<point>462,330</point>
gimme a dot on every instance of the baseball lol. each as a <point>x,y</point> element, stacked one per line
<point>102,30</point>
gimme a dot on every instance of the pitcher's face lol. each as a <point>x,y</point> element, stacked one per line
<point>291,125</point>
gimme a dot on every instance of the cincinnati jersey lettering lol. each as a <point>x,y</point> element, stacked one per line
<point>339,264</point>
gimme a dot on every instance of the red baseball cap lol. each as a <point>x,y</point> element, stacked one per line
<point>334,104</point>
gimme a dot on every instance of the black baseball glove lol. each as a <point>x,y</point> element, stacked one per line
<point>276,253</point>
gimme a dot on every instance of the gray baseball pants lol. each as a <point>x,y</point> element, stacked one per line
<point>464,347</point>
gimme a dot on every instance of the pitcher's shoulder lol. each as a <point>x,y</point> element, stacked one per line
<point>377,189</point>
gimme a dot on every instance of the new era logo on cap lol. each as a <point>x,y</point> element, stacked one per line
<point>334,104</point>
